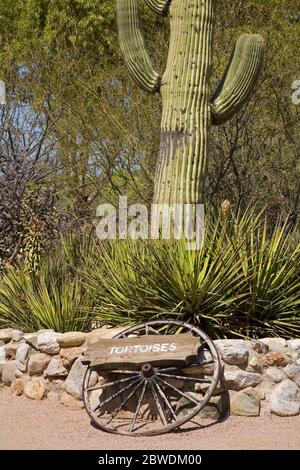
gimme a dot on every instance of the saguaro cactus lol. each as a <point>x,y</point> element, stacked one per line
<point>189,110</point>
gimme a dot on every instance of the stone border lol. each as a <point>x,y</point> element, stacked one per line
<point>261,377</point>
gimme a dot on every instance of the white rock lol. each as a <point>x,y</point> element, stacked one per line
<point>233,351</point>
<point>275,344</point>
<point>9,372</point>
<point>294,344</point>
<point>239,379</point>
<point>274,374</point>
<point>47,342</point>
<point>56,369</point>
<point>8,334</point>
<point>17,335</point>
<point>285,399</point>
<point>74,382</point>
<point>292,371</point>
<point>22,357</point>
<point>2,354</point>
<point>31,339</point>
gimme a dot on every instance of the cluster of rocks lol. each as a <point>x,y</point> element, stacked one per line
<point>259,377</point>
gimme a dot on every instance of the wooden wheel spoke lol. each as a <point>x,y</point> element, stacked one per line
<point>121,407</point>
<point>138,407</point>
<point>99,387</point>
<point>117,410</point>
<point>193,400</point>
<point>115,395</point>
<point>182,377</point>
<point>158,405</point>
<point>162,394</point>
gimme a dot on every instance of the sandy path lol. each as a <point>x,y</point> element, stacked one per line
<point>27,424</point>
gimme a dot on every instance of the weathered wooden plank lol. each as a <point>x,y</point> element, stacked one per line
<point>133,352</point>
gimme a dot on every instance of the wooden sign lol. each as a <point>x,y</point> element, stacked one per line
<point>157,350</point>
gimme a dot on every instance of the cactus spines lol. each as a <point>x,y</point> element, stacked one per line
<point>188,110</point>
<point>239,79</point>
<point>133,48</point>
<point>159,6</point>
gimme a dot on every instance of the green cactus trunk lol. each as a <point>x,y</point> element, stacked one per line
<point>189,110</point>
<point>185,91</point>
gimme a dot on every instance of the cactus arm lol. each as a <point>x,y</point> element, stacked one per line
<point>159,6</point>
<point>133,47</point>
<point>239,79</point>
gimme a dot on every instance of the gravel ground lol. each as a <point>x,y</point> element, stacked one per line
<point>28,424</point>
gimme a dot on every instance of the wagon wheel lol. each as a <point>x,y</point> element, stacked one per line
<point>145,402</point>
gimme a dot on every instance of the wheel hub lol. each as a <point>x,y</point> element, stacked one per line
<point>148,371</point>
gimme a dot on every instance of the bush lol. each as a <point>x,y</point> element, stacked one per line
<point>52,297</point>
<point>244,281</point>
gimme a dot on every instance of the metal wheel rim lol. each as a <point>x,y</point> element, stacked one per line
<point>194,411</point>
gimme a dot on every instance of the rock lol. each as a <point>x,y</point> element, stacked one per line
<point>184,405</point>
<point>55,395</point>
<point>32,339</point>
<point>69,355</point>
<point>72,339</point>
<point>6,335</point>
<point>37,363</point>
<point>73,384</point>
<point>35,388</point>
<point>275,344</point>
<point>202,387</point>
<point>104,332</point>
<point>207,369</point>
<point>22,357</point>
<point>216,408</point>
<point>8,373</point>
<point>17,335</point>
<point>294,344</point>
<point>2,354</point>
<point>258,346</point>
<point>292,371</point>
<point>2,365</point>
<point>274,358</point>
<point>233,351</point>
<point>255,364</point>
<point>47,342</point>
<point>16,387</point>
<point>180,384</point>
<point>285,399</point>
<point>94,398</point>
<point>273,374</point>
<point>11,349</point>
<point>245,403</point>
<point>19,374</point>
<point>9,334</point>
<point>71,402</point>
<point>55,368</point>
<point>239,379</point>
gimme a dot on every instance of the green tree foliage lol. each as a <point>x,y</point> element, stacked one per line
<point>62,59</point>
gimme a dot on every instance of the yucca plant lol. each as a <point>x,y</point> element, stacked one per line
<point>241,282</point>
<point>54,297</point>
<point>135,281</point>
<point>271,301</point>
